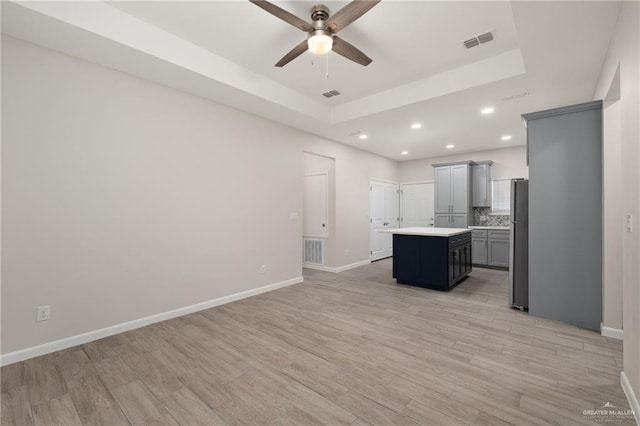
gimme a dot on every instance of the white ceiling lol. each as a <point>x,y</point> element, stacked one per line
<point>421,72</point>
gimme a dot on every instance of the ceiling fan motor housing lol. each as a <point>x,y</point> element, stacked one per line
<point>319,12</point>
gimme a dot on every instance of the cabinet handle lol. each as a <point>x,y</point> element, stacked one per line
<point>486,244</point>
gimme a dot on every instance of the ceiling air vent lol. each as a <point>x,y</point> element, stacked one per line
<point>330,93</point>
<point>516,96</point>
<point>472,42</point>
<point>477,40</point>
<point>483,38</point>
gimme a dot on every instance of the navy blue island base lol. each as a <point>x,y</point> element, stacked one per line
<point>434,262</point>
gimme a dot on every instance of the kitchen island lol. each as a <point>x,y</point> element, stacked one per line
<point>436,258</point>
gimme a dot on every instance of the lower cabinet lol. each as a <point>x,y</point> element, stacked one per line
<point>479,250</point>
<point>498,253</point>
<point>490,247</point>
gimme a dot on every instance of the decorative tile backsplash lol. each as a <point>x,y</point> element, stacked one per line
<point>482,217</point>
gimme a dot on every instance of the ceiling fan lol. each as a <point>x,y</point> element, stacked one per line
<point>322,30</point>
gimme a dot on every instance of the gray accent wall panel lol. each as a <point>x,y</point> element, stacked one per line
<point>565,214</point>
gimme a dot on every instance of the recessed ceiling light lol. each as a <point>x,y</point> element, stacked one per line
<point>450,146</point>
<point>506,138</point>
<point>416,125</point>
<point>487,110</point>
<point>363,136</point>
<point>404,153</point>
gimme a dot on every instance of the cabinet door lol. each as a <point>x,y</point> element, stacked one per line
<point>460,188</point>
<point>454,265</point>
<point>498,253</point>
<point>459,221</point>
<point>479,251</point>
<point>443,221</point>
<point>443,189</point>
<point>466,259</point>
<point>481,182</point>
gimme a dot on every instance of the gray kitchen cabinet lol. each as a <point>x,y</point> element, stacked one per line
<point>452,187</point>
<point>481,184</point>
<point>459,221</point>
<point>564,147</point>
<point>442,189</point>
<point>498,253</point>
<point>453,194</point>
<point>490,247</point>
<point>460,187</point>
<point>451,221</point>
<point>479,247</point>
<point>443,221</point>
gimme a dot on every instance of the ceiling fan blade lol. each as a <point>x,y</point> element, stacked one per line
<point>345,16</point>
<point>293,53</point>
<point>283,14</point>
<point>349,51</point>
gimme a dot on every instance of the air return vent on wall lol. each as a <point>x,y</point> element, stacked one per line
<point>477,40</point>
<point>313,249</point>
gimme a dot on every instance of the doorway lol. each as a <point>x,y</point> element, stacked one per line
<point>318,211</point>
<point>417,204</point>
<point>384,214</point>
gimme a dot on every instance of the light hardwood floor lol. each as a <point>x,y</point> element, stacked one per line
<point>349,348</point>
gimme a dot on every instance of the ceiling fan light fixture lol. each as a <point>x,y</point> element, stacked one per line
<point>320,42</point>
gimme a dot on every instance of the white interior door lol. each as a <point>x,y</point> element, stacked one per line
<point>384,207</point>
<point>417,204</point>
<point>316,205</point>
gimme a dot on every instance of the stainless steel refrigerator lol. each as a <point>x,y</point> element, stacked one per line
<point>519,247</point>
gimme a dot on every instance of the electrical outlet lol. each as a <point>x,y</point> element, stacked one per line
<point>263,269</point>
<point>43,313</point>
<point>346,253</point>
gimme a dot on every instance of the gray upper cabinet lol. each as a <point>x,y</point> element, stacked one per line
<point>481,183</point>
<point>443,189</point>
<point>452,221</point>
<point>453,194</point>
<point>460,188</point>
<point>452,188</point>
<point>459,221</point>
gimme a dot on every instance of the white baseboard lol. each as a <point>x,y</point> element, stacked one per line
<point>34,351</point>
<point>337,268</point>
<point>631,396</point>
<point>614,333</point>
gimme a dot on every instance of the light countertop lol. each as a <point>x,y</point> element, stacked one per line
<point>427,232</point>
<point>490,228</point>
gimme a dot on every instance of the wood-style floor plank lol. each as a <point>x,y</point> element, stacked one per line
<point>353,348</point>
